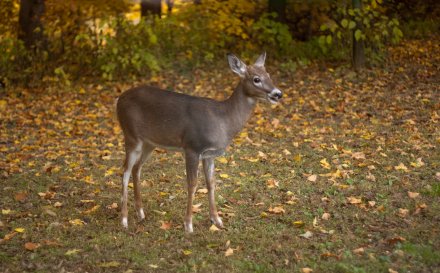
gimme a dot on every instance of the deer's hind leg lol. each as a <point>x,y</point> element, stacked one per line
<point>147,149</point>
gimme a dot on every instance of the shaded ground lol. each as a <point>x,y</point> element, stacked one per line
<point>343,176</point>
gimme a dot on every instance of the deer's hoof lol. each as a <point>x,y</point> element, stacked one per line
<point>188,227</point>
<point>217,221</point>
<point>125,222</point>
<point>141,214</point>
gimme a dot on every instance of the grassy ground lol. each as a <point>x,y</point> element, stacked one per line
<point>342,176</point>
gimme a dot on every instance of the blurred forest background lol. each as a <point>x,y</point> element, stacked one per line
<point>42,41</point>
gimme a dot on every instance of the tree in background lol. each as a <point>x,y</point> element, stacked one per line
<point>151,7</point>
<point>358,56</point>
<point>31,28</point>
<point>279,8</point>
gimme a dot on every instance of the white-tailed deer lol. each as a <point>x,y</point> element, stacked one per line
<point>200,127</point>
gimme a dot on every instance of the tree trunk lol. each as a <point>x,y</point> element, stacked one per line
<point>151,7</point>
<point>30,27</point>
<point>358,45</point>
<point>279,8</point>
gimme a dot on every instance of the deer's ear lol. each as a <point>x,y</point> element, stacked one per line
<point>237,65</point>
<point>260,61</point>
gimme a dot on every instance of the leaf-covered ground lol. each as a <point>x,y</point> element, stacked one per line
<point>342,176</point>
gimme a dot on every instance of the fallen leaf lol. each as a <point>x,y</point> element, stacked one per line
<point>272,183</point>
<point>72,252</point>
<point>31,246</point>
<point>403,212</point>
<point>9,236</point>
<point>109,264</point>
<point>224,175</point>
<point>395,240</point>
<point>222,160</point>
<point>187,252</point>
<point>401,167</point>
<point>58,204</point>
<point>165,225</point>
<point>229,252</point>
<point>354,200</point>
<point>413,195</point>
<point>19,230</point>
<point>358,155</point>
<point>77,222</point>
<point>418,164</point>
<point>390,270</point>
<point>325,216</point>
<point>359,251</point>
<point>306,235</point>
<point>113,206</point>
<point>324,163</point>
<point>153,265</point>
<point>204,191</point>
<point>371,177</point>
<point>20,196</point>
<point>371,203</point>
<point>312,178</point>
<point>196,208</point>
<point>276,210</point>
<point>92,209</point>
<point>306,270</point>
<point>6,211</point>
<point>298,224</point>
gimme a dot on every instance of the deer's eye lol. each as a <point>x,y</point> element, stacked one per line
<point>257,80</point>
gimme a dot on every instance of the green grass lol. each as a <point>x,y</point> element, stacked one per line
<point>85,144</point>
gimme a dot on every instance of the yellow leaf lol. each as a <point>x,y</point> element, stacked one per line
<point>91,210</point>
<point>108,172</point>
<point>325,164</point>
<point>222,160</point>
<point>153,265</point>
<point>19,229</point>
<point>306,270</point>
<point>3,104</point>
<point>401,167</point>
<point>77,222</point>
<point>72,252</point>
<point>297,158</point>
<point>419,163</point>
<point>187,252</point>
<point>213,228</point>
<point>223,175</point>
<point>6,211</point>
<point>110,264</point>
<point>298,224</point>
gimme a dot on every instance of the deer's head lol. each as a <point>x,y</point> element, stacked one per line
<point>256,81</point>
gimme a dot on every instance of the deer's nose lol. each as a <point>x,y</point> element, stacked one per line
<point>276,93</point>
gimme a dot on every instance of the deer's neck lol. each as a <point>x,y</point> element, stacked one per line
<point>239,108</point>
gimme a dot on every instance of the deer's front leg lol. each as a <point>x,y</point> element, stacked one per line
<point>208,168</point>
<point>192,165</point>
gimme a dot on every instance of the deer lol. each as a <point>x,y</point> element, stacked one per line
<point>202,128</point>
